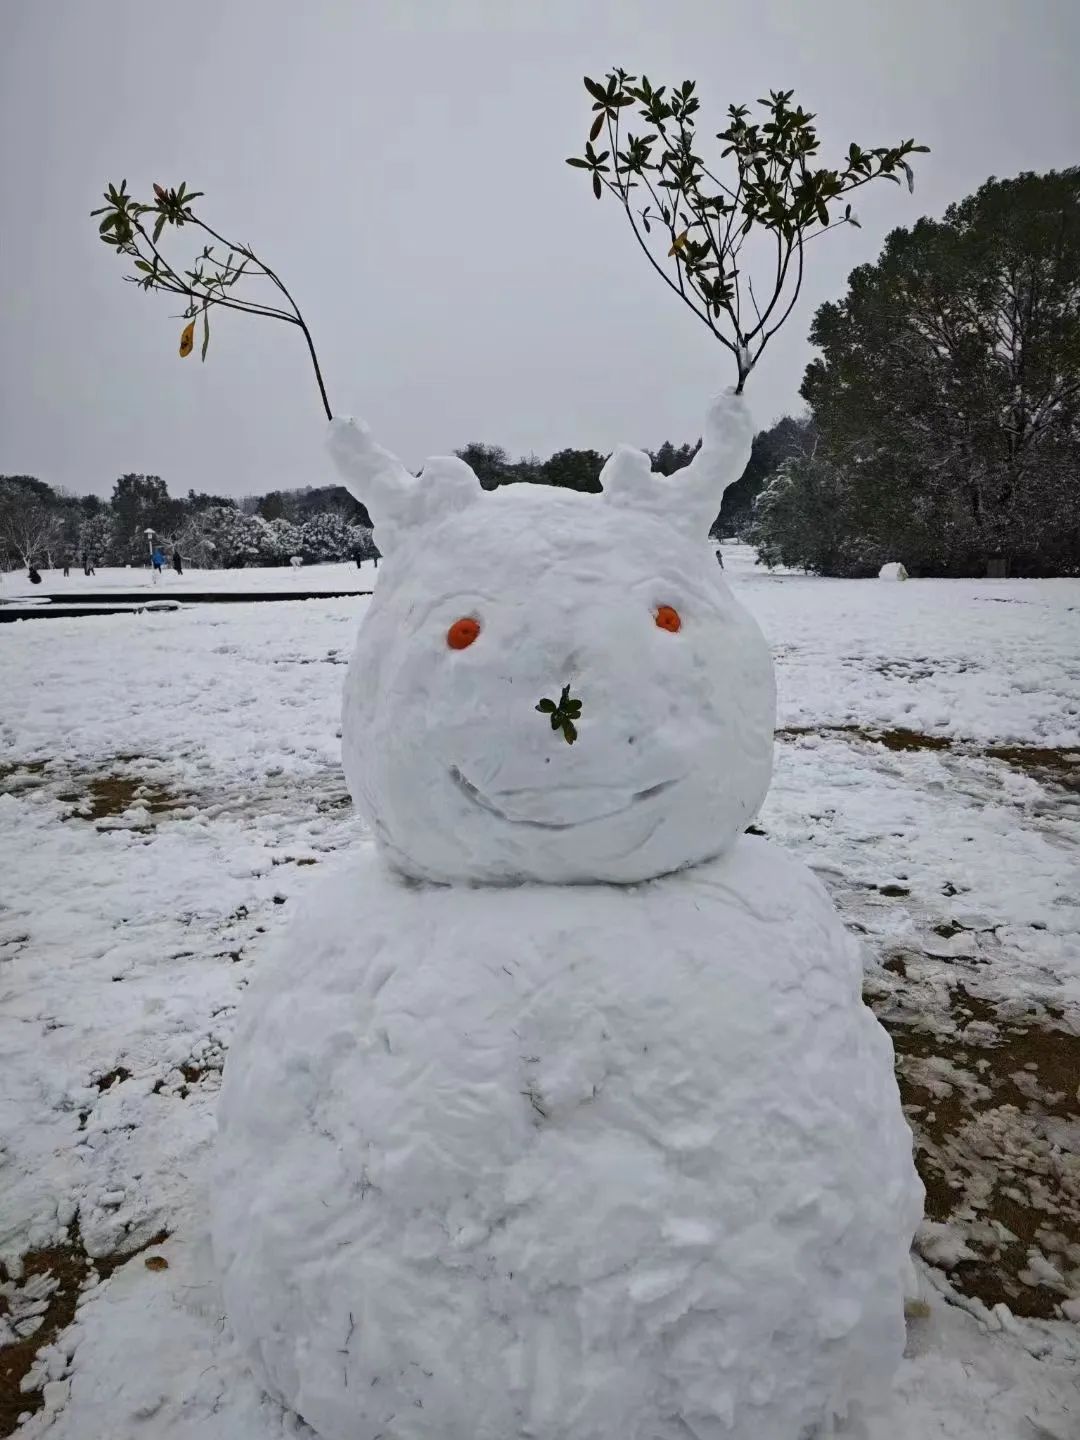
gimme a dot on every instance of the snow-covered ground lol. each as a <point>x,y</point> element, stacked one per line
<point>170,784</point>
<point>117,579</point>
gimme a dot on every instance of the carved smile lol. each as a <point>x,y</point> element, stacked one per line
<point>479,799</point>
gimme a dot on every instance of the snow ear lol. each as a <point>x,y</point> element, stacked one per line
<point>691,497</point>
<point>396,500</point>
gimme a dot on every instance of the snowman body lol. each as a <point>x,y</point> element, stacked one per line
<point>558,1112</point>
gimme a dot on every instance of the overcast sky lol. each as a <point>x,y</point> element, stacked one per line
<point>401,166</point>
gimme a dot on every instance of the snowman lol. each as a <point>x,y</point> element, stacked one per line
<point>558,1113</point>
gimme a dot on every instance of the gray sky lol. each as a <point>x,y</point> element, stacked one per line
<point>401,166</point>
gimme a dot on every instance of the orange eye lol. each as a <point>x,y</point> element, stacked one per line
<point>462,633</point>
<point>668,618</point>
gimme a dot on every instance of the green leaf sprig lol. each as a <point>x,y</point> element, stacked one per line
<point>773,185</point>
<point>563,714</point>
<point>134,229</point>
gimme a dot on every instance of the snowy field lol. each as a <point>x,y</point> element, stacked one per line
<point>169,787</point>
<point>140,581</point>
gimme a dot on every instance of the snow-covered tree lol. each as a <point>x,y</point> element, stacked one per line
<point>281,541</point>
<point>788,438</point>
<point>194,539</point>
<point>325,537</point>
<point>96,538</point>
<point>31,528</point>
<point>804,517</point>
<point>221,536</point>
<point>362,542</point>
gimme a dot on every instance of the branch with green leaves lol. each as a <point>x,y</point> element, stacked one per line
<point>563,715</point>
<point>771,185</point>
<point>223,274</point>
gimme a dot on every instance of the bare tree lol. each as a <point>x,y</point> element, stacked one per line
<point>28,528</point>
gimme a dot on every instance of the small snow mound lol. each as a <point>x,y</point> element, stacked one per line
<point>893,571</point>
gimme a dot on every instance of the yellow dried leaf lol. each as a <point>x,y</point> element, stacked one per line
<point>679,242</point>
<point>187,340</point>
<point>156,1262</point>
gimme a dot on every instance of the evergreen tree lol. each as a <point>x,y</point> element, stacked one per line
<point>97,538</point>
<point>948,391</point>
<point>490,464</point>
<point>786,439</point>
<point>574,470</point>
<point>139,503</point>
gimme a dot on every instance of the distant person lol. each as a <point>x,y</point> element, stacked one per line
<point>157,559</point>
<point>67,566</point>
<point>33,575</point>
<point>178,562</point>
<point>87,566</point>
<point>719,558</point>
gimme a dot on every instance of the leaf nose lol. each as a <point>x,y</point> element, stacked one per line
<point>562,714</point>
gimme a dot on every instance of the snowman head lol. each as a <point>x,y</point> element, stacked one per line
<point>653,750</point>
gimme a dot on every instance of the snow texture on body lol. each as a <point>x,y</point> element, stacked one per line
<point>608,1161</point>
<point>563,1159</point>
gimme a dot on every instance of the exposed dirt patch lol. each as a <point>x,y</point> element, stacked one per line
<point>1053,767</point>
<point>793,732</point>
<point>100,795</point>
<point>892,739</point>
<point>994,1102</point>
<point>297,795</point>
<point>105,796</point>
<point>192,1072</point>
<point>908,740</point>
<point>20,775</point>
<point>47,1293</point>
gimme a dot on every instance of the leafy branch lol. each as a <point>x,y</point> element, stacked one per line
<point>771,186</point>
<point>135,231</point>
<point>563,714</point>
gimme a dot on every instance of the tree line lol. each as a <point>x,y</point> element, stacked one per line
<point>46,527</point>
<point>43,527</point>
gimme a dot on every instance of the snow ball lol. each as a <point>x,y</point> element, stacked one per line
<point>574,735</point>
